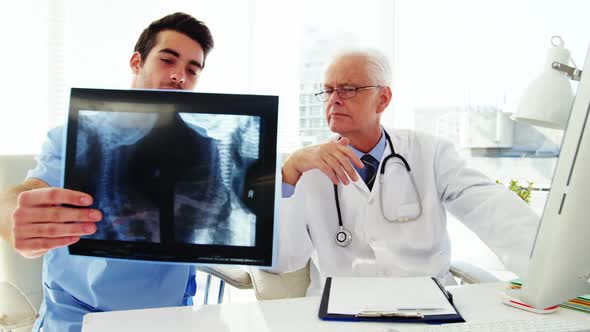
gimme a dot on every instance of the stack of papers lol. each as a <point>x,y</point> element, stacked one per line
<point>580,303</point>
<point>350,296</point>
<point>413,299</point>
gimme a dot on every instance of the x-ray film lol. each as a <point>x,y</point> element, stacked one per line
<point>178,176</point>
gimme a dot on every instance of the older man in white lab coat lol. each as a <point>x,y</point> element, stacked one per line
<point>390,224</point>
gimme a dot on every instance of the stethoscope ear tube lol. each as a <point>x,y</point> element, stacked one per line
<point>338,206</point>
<point>393,154</point>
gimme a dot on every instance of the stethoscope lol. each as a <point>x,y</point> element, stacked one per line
<point>343,236</point>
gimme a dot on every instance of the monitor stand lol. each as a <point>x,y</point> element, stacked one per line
<point>512,297</point>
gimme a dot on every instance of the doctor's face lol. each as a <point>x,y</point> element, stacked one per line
<point>357,116</point>
<point>175,62</point>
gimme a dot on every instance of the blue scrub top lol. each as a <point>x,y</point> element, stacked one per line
<point>76,285</point>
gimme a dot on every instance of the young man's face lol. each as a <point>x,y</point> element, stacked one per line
<point>175,62</point>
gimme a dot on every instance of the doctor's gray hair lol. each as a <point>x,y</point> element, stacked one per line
<point>379,69</point>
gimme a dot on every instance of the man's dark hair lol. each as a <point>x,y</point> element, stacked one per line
<point>179,22</point>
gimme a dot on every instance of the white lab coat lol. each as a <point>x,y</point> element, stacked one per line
<point>308,220</point>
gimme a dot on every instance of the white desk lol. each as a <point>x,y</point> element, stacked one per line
<point>481,302</point>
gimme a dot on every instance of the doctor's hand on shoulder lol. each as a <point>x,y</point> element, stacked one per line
<point>41,222</point>
<point>333,158</point>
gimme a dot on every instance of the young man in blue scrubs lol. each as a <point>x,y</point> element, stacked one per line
<point>170,54</point>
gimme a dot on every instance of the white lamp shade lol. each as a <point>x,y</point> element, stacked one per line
<point>548,99</point>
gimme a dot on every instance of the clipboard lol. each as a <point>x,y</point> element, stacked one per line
<point>389,316</point>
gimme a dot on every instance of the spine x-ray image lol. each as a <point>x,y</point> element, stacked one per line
<point>168,177</point>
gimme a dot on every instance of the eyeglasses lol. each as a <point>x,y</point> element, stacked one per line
<point>343,92</point>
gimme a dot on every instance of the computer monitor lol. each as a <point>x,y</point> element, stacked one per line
<point>178,176</point>
<point>560,262</point>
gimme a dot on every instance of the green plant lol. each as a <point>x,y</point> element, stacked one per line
<point>523,192</point>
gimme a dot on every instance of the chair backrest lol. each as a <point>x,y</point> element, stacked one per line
<point>22,272</point>
<point>15,310</point>
<point>271,286</point>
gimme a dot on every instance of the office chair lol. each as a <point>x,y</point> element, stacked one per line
<point>271,286</point>
<point>468,273</point>
<point>16,310</point>
<point>235,276</point>
<point>21,290</point>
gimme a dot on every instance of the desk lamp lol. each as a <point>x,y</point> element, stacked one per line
<point>547,101</point>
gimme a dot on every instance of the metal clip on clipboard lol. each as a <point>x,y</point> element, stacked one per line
<point>388,314</point>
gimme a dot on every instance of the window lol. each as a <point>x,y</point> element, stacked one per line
<point>316,110</point>
<point>458,60</point>
<point>442,74</point>
<point>316,123</point>
<point>303,111</point>
<point>323,35</point>
<point>272,58</point>
<point>25,73</point>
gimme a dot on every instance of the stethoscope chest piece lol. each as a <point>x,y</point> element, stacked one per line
<point>343,237</point>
